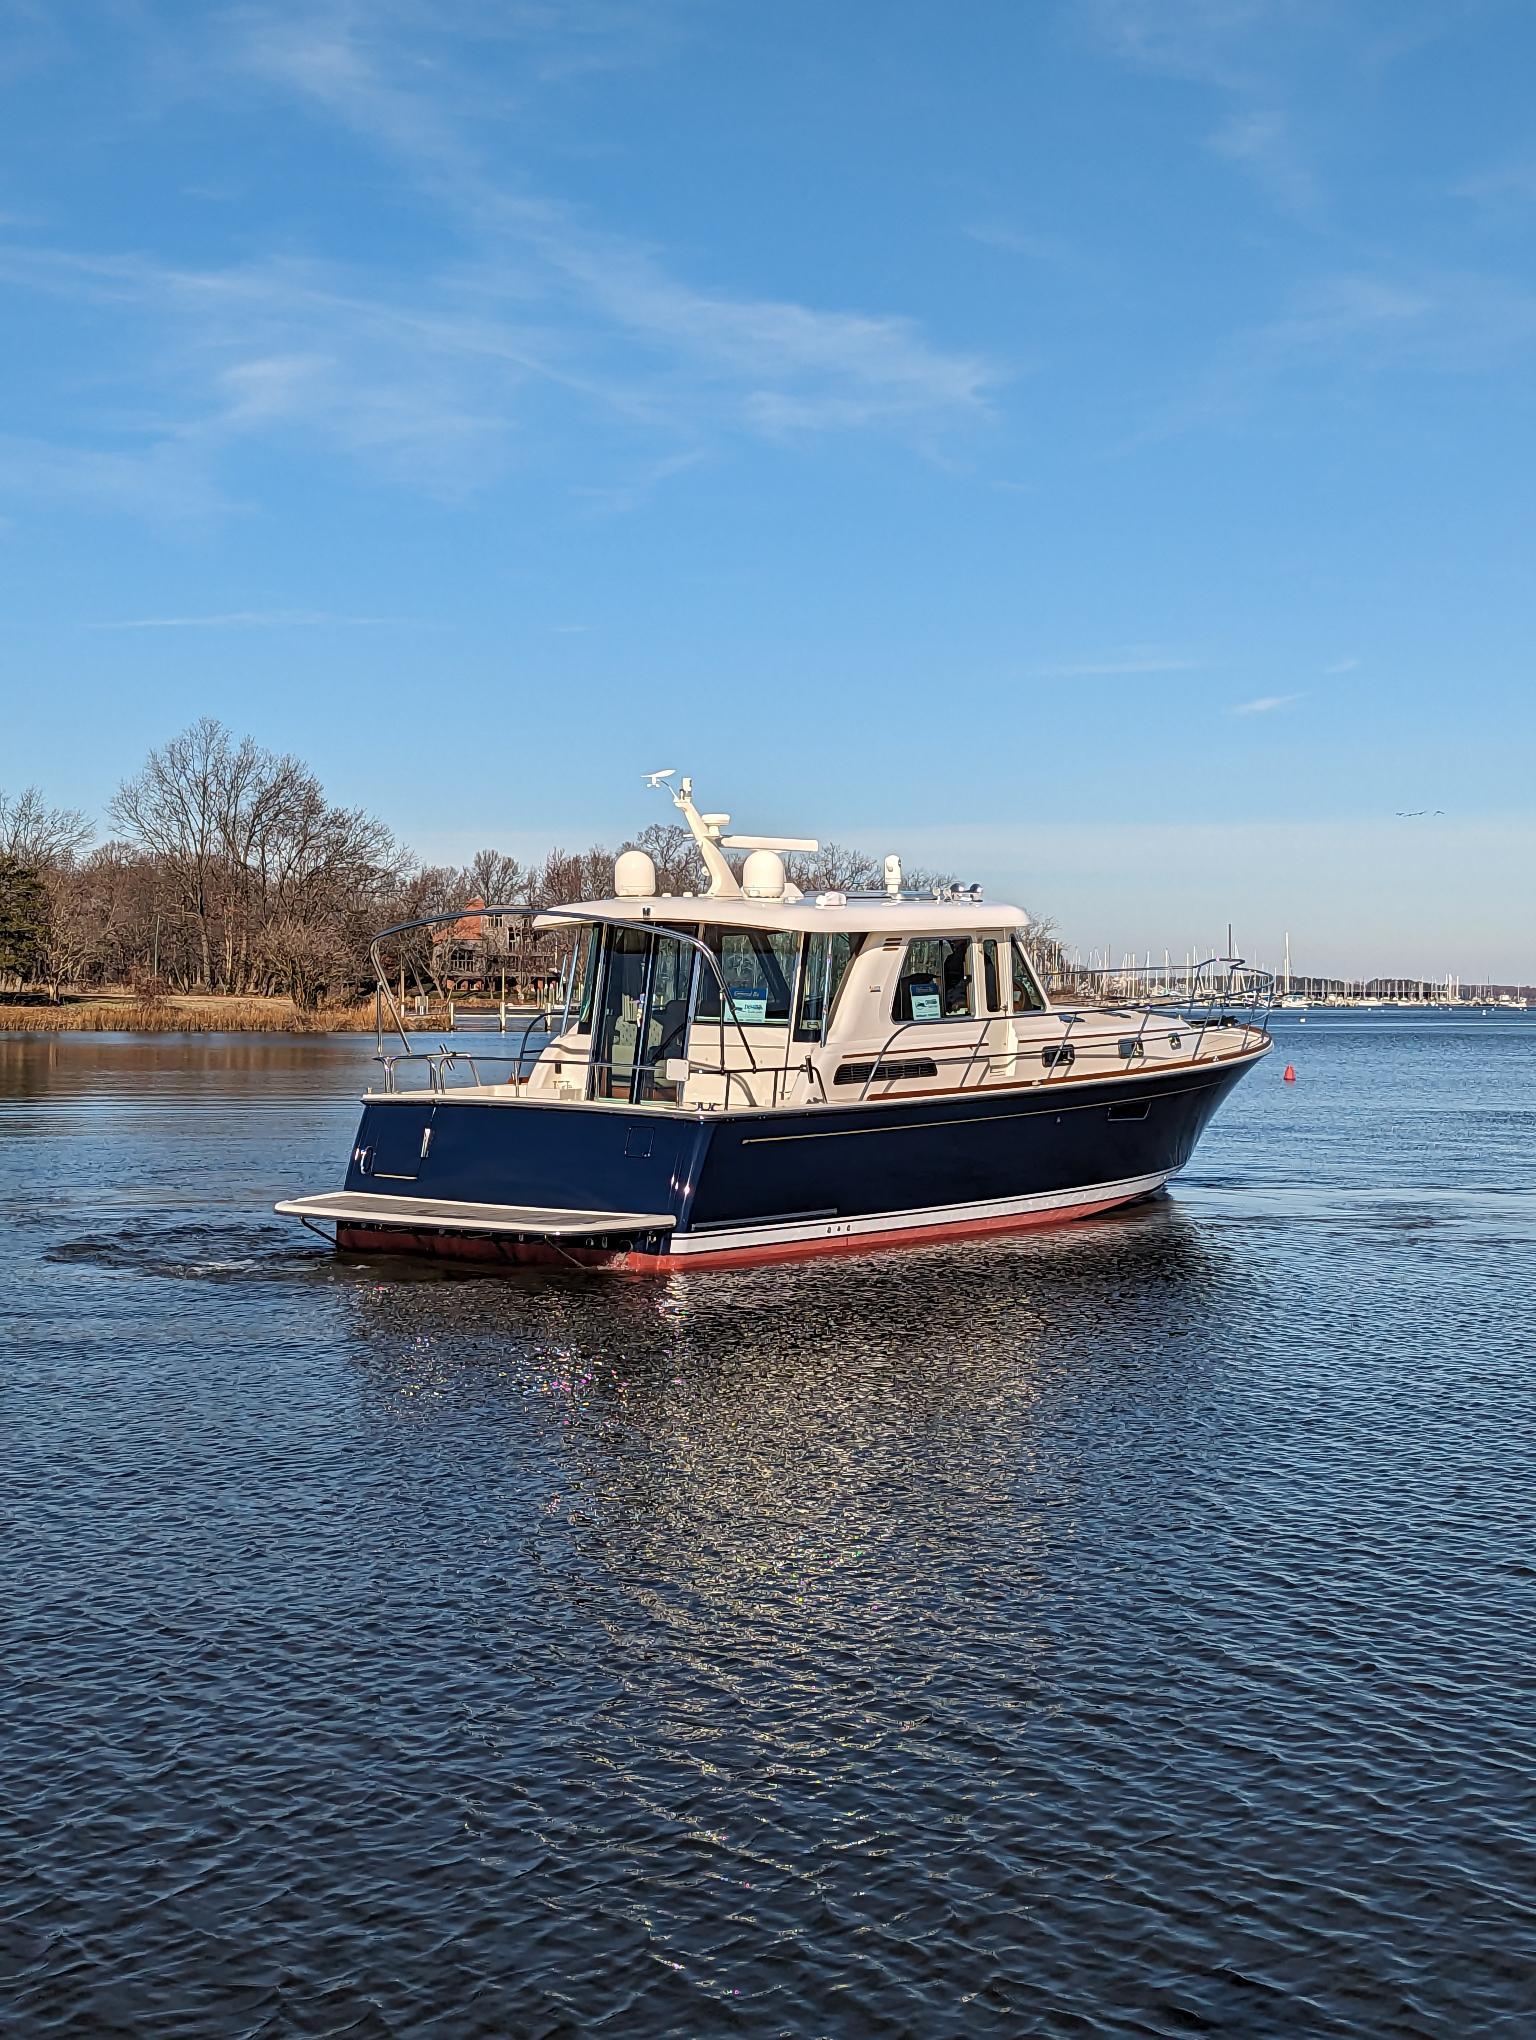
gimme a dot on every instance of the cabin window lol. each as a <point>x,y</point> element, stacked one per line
<point>581,982</point>
<point>822,970</point>
<point>990,979</point>
<point>758,966</point>
<point>616,1045</point>
<point>664,1034</point>
<point>641,1015</point>
<point>1027,995</point>
<point>935,980</point>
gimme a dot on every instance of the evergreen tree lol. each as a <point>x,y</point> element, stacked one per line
<point>23,918</point>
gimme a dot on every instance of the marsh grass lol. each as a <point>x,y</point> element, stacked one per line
<point>202,1016</point>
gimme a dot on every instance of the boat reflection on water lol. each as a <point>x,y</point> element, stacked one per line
<point>868,1436</point>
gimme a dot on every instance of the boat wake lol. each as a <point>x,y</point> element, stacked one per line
<point>234,1252</point>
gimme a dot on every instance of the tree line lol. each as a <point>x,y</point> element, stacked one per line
<point>228,870</point>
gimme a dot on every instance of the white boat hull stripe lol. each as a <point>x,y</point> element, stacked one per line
<point>735,1238</point>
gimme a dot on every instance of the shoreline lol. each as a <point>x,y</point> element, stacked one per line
<point>224,1016</point>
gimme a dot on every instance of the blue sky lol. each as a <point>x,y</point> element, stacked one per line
<point>1087,444</point>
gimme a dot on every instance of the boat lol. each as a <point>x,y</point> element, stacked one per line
<point>752,1072</point>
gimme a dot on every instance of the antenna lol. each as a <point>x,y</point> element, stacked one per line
<point>705,830</point>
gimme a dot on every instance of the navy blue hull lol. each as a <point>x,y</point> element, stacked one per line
<point>720,1174</point>
<point>984,1147</point>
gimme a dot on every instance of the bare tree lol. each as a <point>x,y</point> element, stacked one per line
<point>1043,942</point>
<point>568,875</point>
<point>71,939</point>
<point>275,881</point>
<point>236,873</point>
<point>671,848</point>
<point>834,868</point>
<point>37,835</point>
<point>335,870</point>
<point>172,808</point>
<point>495,879</point>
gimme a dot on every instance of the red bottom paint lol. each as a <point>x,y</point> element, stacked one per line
<point>494,1253</point>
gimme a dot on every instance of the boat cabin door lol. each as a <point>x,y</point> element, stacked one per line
<point>642,1017</point>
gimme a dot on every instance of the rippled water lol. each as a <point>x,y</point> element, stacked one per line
<point>1125,1629</point>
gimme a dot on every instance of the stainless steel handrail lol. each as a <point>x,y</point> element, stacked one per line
<point>1243,990</point>
<point>584,914</point>
<point>1056,1070</point>
<point>967,1057</point>
<point>526,913</point>
<point>901,1028</point>
<point>1177,984</point>
<point>521,911</point>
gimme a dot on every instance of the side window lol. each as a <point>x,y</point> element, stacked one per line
<point>991,982</point>
<point>935,980</point>
<point>824,964</point>
<point>1027,995</point>
<point>581,981</point>
<point>758,965</point>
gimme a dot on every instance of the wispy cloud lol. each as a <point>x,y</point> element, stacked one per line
<point>1017,241</point>
<point>1342,666</point>
<point>1260,141</point>
<point>615,498</point>
<point>1515,180</point>
<point>1236,49</point>
<point>160,479</point>
<point>529,321</point>
<point>1128,662</point>
<point>251,619</point>
<point>1205,40</point>
<point>794,366</point>
<point>1265,704</point>
<point>1358,324</point>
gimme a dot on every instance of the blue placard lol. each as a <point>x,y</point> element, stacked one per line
<point>749,1004</point>
<point>925,1003</point>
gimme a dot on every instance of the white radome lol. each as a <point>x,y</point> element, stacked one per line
<point>634,875</point>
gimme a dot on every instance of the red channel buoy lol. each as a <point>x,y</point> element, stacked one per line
<point>1290,1073</point>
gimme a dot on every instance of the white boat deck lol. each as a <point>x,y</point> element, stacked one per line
<point>414,1214</point>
